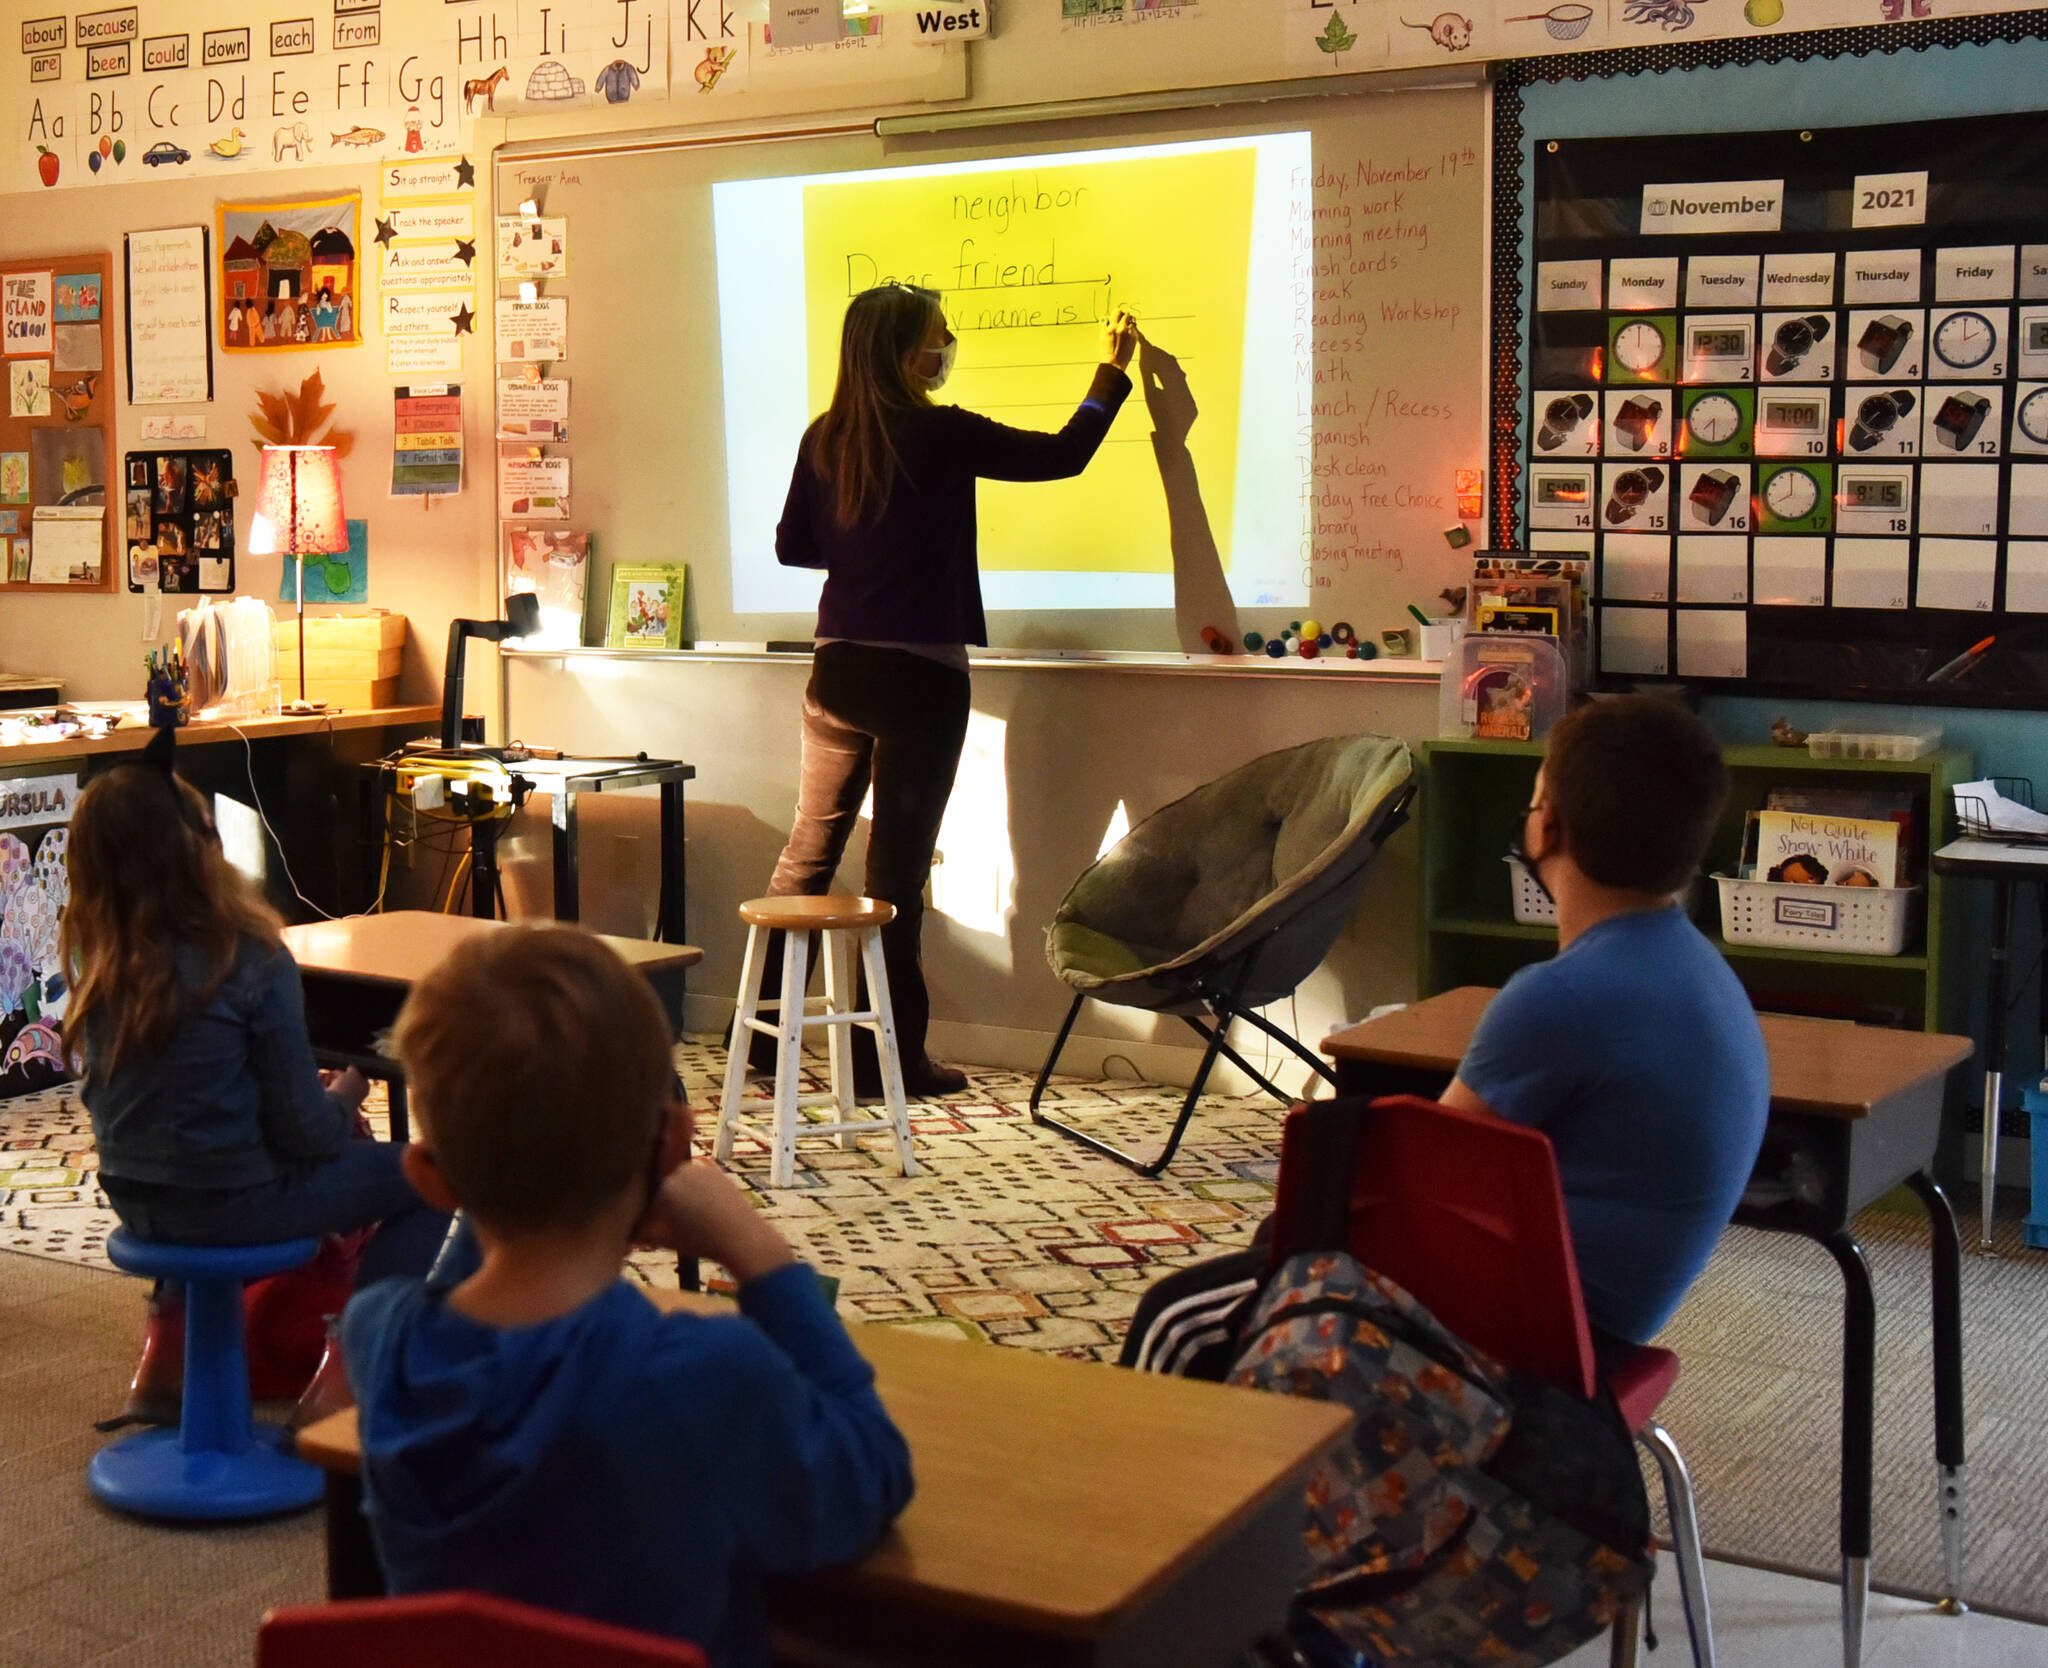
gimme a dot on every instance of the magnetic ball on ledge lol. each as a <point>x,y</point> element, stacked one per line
<point>1254,642</point>
<point>1276,649</point>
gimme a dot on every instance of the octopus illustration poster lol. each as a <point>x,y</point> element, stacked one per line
<point>289,274</point>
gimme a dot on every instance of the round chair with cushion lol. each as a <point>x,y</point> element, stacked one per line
<point>218,1463</point>
<point>1225,900</point>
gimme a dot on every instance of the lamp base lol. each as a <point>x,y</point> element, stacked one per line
<point>303,708</point>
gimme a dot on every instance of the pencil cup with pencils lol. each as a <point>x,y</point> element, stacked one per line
<point>165,690</point>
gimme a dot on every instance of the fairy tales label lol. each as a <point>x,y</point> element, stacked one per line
<point>1807,850</point>
<point>36,801</point>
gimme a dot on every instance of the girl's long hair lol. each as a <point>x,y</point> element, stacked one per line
<point>148,877</point>
<point>851,447</point>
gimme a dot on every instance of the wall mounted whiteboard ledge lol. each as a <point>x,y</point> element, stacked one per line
<point>1386,669</point>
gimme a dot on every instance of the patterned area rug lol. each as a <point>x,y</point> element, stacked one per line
<point>1011,1232</point>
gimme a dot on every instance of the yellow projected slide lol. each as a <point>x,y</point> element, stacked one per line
<point>1031,260</point>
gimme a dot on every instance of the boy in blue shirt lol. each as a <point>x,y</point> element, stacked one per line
<point>540,1430</point>
<point>1635,1049</point>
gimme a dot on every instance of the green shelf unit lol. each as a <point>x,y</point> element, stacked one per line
<point>1473,793</point>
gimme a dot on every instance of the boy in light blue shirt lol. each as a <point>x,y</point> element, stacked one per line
<point>1635,1048</point>
<point>535,1427</point>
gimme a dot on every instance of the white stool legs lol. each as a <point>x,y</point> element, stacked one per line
<point>793,1017</point>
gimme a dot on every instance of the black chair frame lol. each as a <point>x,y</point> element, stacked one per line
<point>1259,965</point>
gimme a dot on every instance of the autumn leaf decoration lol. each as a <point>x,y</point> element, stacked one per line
<point>301,419</point>
<point>1337,36</point>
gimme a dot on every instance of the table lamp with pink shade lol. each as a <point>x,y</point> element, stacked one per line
<point>299,514</point>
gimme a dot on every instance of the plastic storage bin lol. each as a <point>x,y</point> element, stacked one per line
<point>1896,747</point>
<point>1533,906</point>
<point>1837,920</point>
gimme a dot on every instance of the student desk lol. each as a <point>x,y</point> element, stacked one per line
<point>358,971</point>
<point>1065,1514</point>
<point>1855,1112</point>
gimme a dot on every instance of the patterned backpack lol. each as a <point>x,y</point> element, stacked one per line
<point>1475,1516</point>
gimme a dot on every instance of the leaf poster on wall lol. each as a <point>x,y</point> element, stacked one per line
<point>289,274</point>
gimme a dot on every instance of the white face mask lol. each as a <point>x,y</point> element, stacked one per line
<point>937,379</point>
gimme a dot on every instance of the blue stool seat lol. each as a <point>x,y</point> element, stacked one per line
<point>218,1464</point>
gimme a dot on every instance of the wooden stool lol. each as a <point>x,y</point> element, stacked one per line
<point>834,918</point>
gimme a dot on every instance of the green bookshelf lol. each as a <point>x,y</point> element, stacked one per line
<point>1473,793</point>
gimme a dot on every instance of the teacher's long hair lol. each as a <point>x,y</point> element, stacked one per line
<point>147,877</point>
<point>851,447</point>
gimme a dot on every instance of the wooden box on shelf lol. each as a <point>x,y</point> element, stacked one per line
<point>352,660</point>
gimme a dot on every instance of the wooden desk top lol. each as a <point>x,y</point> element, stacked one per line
<point>134,733</point>
<point>1052,1495</point>
<point>1818,1067</point>
<point>400,945</point>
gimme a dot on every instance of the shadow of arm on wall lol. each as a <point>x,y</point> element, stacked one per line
<point>1201,596</point>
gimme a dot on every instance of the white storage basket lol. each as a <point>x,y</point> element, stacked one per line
<point>1533,906</point>
<point>1839,920</point>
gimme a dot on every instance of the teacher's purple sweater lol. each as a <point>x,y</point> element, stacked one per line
<point>909,575</point>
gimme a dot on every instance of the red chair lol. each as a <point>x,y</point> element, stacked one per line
<point>1465,1211</point>
<point>454,1630</point>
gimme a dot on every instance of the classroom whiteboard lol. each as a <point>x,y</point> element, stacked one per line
<point>1309,275</point>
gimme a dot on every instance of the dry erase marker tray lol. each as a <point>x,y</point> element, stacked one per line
<point>1829,920</point>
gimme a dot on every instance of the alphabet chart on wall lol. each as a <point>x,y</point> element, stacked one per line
<point>1790,391</point>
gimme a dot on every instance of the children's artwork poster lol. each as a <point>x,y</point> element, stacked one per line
<point>551,563</point>
<point>77,297</point>
<point>27,313</point>
<point>535,410</point>
<point>343,576</point>
<point>13,477</point>
<point>530,246</point>
<point>533,489</point>
<point>426,439</point>
<point>289,274</point>
<point>170,311</point>
<point>28,388</point>
<point>35,886</point>
<point>178,508</point>
<point>532,331</point>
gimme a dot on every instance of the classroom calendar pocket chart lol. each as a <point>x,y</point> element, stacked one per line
<point>1795,413</point>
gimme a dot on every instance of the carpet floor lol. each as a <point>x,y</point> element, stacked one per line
<point>1016,1235</point>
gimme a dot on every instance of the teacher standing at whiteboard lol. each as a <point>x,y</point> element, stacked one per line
<point>883,500</point>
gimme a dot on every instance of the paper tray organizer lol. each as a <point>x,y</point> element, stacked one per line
<point>1973,815</point>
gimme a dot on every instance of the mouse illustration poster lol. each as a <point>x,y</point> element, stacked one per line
<point>289,274</point>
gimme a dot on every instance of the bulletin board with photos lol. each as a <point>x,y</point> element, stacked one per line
<point>178,512</point>
<point>1790,391</point>
<point>58,526</point>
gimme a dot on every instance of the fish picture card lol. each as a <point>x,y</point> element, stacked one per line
<point>77,298</point>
